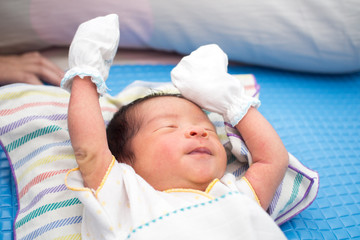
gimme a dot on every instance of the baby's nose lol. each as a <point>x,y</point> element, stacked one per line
<point>196,132</point>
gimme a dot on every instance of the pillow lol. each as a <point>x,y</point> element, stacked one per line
<point>34,135</point>
<point>303,36</point>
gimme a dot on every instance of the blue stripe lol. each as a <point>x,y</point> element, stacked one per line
<point>56,224</point>
<point>22,121</point>
<point>39,150</point>
<point>295,191</point>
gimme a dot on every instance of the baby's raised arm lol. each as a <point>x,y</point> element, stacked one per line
<point>91,53</point>
<point>87,132</point>
<point>269,156</point>
<point>202,77</point>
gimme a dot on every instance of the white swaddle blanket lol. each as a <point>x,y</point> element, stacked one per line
<point>300,185</point>
<point>295,193</point>
<point>127,207</point>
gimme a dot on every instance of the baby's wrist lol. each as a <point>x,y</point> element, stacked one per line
<point>236,111</point>
<point>84,72</point>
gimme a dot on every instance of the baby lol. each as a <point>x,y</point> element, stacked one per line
<point>158,170</point>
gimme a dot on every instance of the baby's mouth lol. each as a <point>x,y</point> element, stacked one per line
<point>201,150</point>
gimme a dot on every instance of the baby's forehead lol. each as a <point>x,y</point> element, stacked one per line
<point>170,102</point>
<point>172,106</point>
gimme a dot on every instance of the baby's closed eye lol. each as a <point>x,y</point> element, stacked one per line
<point>170,126</point>
<point>166,127</point>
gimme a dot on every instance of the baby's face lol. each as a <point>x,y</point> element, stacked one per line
<point>177,145</point>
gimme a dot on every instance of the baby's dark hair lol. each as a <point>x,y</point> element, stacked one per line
<point>124,126</point>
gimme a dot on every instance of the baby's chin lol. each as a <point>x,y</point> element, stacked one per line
<point>202,179</point>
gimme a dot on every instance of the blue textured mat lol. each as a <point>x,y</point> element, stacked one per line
<point>318,119</point>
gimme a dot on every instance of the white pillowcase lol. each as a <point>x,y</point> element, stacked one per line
<point>313,36</point>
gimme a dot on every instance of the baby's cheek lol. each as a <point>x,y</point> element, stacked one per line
<point>222,155</point>
<point>167,149</point>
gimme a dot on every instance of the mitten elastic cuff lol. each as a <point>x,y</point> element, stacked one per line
<point>82,72</point>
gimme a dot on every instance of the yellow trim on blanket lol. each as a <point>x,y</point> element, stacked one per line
<point>187,190</point>
<point>211,185</point>
<point>106,176</point>
<point>72,188</point>
<point>252,189</point>
<point>184,190</point>
<point>88,189</point>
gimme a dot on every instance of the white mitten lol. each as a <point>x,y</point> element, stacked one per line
<point>92,51</point>
<point>202,78</point>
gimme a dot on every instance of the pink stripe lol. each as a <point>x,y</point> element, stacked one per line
<point>37,104</point>
<point>39,179</point>
<point>28,105</point>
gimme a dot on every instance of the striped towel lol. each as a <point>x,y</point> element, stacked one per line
<point>34,135</point>
<point>35,138</point>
